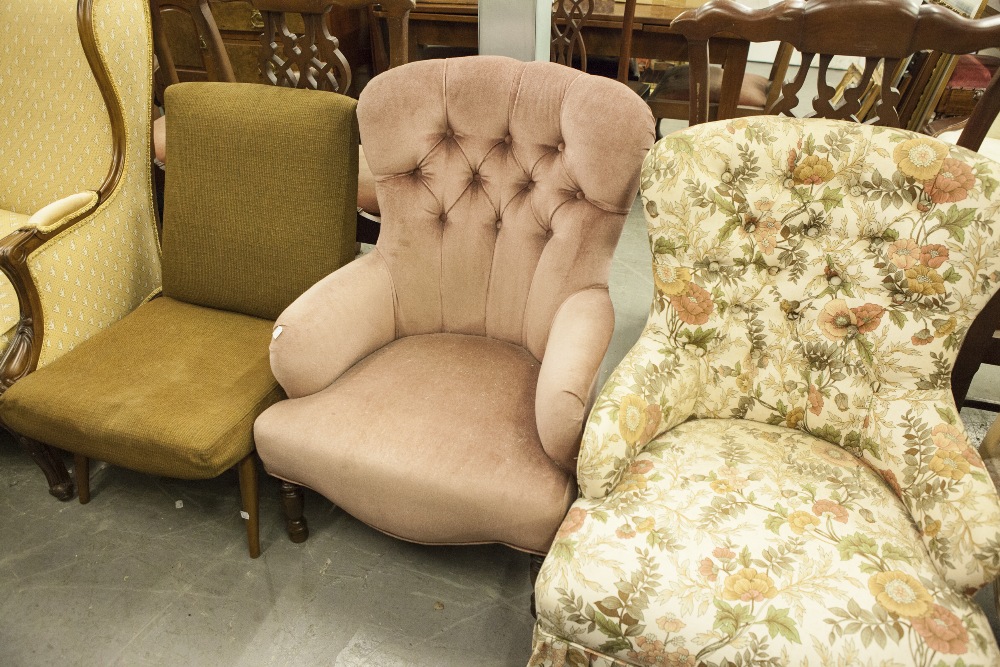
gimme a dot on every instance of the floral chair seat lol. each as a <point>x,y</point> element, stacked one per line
<point>776,472</point>
<point>728,538</point>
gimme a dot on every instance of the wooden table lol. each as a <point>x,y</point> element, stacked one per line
<point>454,23</point>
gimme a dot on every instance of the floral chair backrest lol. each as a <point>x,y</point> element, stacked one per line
<point>822,275</point>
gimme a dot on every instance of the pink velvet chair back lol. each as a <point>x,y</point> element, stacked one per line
<point>503,188</point>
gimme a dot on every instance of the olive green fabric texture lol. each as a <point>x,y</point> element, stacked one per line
<point>261,194</point>
<point>173,389</point>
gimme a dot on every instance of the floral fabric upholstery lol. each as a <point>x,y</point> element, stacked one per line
<point>56,140</point>
<point>814,281</point>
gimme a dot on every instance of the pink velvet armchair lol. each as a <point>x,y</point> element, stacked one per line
<point>438,385</point>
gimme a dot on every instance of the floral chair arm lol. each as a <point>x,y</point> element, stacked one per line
<point>654,388</point>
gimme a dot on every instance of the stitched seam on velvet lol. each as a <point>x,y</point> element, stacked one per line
<point>395,298</point>
<point>500,214</point>
<point>524,309</point>
<point>444,228</point>
<point>531,288</point>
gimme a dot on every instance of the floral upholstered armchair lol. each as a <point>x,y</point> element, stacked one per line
<point>78,245</point>
<point>776,473</point>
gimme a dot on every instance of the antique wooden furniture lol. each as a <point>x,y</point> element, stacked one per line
<point>828,27</point>
<point>173,388</point>
<point>237,25</point>
<point>438,385</point>
<point>77,236</point>
<point>777,473</point>
<point>569,20</point>
<point>307,59</point>
<point>454,24</point>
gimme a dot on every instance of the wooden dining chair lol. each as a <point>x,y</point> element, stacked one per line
<point>825,28</point>
<point>570,17</point>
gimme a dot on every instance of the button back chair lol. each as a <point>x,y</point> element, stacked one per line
<point>829,27</point>
<point>173,388</point>
<point>438,385</point>
<point>78,246</point>
<point>777,472</point>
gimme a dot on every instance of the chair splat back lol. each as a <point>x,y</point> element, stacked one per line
<point>821,29</point>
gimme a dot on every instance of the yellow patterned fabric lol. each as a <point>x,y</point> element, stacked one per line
<point>814,281</point>
<point>55,140</point>
<point>55,133</point>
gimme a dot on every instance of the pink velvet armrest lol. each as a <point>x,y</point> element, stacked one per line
<point>579,338</point>
<point>333,325</point>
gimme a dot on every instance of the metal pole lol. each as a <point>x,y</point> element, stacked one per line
<point>515,28</point>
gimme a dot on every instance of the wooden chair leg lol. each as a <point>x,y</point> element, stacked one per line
<point>52,465</point>
<point>534,567</point>
<point>251,502</point>
<point>292,501</point>
<point>81,465</point>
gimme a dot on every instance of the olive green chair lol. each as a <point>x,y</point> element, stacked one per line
<point>260,204</point>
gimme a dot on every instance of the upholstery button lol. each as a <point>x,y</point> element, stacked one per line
<point>580,195</point>
<point>449,133</point>
<point>529,185</point>
<point>476,177</point>
<point>508,139</point>
<point>835,280</point>
<point>561,147</point>
<point>443,218</point>
<point>548,233</point>
<point>499,224</point>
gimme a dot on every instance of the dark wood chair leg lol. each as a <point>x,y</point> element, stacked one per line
<point>251,502</point>
<point>292,501</point>
<point>81,466</point>
<point>52,465</point>
<point>534,567</point>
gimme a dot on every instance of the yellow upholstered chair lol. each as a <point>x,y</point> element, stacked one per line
<point>78,245</point>
<point>776,473</point>
<point>259,206</point>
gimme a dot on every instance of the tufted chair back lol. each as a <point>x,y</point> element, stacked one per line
<point>502,189</point>
<point>822,275</point>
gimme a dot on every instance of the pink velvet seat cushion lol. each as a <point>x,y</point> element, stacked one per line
<point>674,85</point>
<point>432,438</point>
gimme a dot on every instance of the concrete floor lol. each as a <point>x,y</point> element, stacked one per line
<point>131,579</point>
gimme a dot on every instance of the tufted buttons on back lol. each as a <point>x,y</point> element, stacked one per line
<point>825,274</point>
<point>500,145</point>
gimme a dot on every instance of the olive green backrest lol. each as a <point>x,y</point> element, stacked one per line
<point>261,193</point>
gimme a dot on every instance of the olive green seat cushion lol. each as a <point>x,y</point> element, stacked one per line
<point>173,389</point>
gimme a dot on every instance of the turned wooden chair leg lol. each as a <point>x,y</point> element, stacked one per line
<point>292,501</point>
<point>52,465</point>
<point>534,567</point>
<point>251,502</point>
<point>81,466</point>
